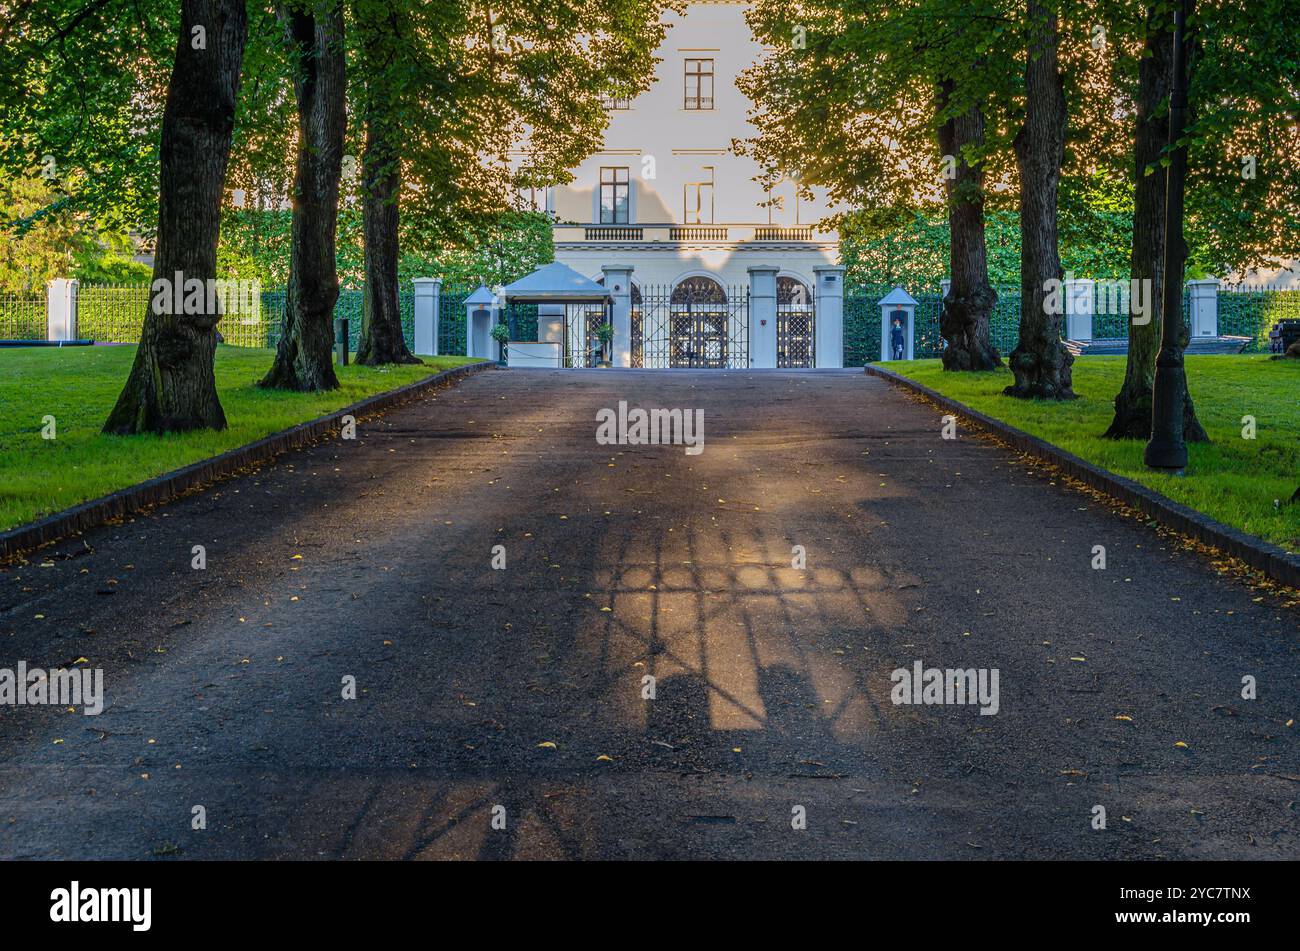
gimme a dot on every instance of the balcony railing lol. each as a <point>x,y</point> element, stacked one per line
<point>606,233</point>
<point>783,234</point>
<point>673,233</point>
<point>697,234</point>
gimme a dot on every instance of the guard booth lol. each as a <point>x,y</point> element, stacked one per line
<point>481,309</point>
<point>562,297</point>
<point>901,306</point>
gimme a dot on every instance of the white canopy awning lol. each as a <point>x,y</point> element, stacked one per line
<point>555,283</point>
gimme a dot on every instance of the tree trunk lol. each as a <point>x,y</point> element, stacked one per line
<point>964,323</point>
<point>172,386</point>
<point>1040,361</point>
<point>381,320</point>
<point>1146,262</point>
<point>304,356</point>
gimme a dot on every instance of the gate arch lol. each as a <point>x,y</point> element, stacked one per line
<point>795,324</point>
<point>699,325</point>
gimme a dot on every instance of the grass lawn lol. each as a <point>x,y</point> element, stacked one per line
<point>1232,479</point>
<point>78,386</point>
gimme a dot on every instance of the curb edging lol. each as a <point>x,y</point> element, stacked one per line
<point>172,484</point>
<point>1276,563</point>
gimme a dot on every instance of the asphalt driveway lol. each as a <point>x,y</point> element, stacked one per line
<point>520,694</point>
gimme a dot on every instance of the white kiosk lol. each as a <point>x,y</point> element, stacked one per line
<point>567,295</point>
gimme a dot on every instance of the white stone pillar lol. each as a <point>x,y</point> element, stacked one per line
<point>618,281</point>
<point>762,316</point>
<point>1080,294</point>
<point>428,291</point>
<point>828,326</point>
<point>902,305</point>
<point>944,287</point>
<point>1205,307</point>
<point>61,309</point>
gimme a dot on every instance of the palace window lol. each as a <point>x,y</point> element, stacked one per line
<point>697,199</point>
<point>614,192</point>
<point>532,198</point>
<point>699,84</point>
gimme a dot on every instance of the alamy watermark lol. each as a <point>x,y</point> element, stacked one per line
<point>77,903</point>
<point>1132,297</point>
<point>34,687</point>
<point>951,687</point>
<point>655,427</point>
<point>181,295</point>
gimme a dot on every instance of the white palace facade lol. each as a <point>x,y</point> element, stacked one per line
<point>667,204</point>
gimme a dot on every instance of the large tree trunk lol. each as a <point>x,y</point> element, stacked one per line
<point>304,356</point>
<point>172,386</point>
<point>1040,361</point>
<point>381,320</point>
<point>964,323</point>
<point>1146,262</point>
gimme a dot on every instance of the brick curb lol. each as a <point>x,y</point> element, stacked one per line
<point>169,485</point>
<point>1277,564</point>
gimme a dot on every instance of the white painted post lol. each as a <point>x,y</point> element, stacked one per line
<point>428,290</point>
<point>762,316</point>
<point>1079,298</point>
<point>944,287</point>
<point>61,309</point>
<point>897,303</point>
<point>1205,307</point>
<point>828,326</point>
<point>618,281</point>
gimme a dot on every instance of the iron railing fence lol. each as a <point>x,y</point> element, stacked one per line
<point>114,313</point>
<point>1110,318</point>
<point>1251,310</point>
<point>22,316</point>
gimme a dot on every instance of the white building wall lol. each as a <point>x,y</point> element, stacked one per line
<point>665,146</point>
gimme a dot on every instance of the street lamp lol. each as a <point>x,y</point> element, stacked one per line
<point>1166,449</point>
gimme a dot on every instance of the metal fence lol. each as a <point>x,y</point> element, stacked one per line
<point>111,313</point>
<point>1254,315</point>
<point>451,319</point>
<point>862,322</point>
<point>114,313</point>
<point>22,316</point>
<point>1247,310</point>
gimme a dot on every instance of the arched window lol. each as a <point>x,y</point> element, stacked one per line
<point>792,292</point>
<point>699,290</point>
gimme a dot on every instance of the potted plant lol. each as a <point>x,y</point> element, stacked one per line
<point>605,334</point>
<point>501,334</point>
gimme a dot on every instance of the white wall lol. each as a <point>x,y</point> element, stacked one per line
<point>682,141</point>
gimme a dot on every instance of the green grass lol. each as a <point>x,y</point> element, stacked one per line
<point>78,386</point>
<point>1232,479</point>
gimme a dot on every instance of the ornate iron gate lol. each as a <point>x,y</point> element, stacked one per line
<point>584,322</point>
<point>795,325</point>
<point>697,324</point>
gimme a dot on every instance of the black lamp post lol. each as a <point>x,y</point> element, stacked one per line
<point>1166,449</point>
